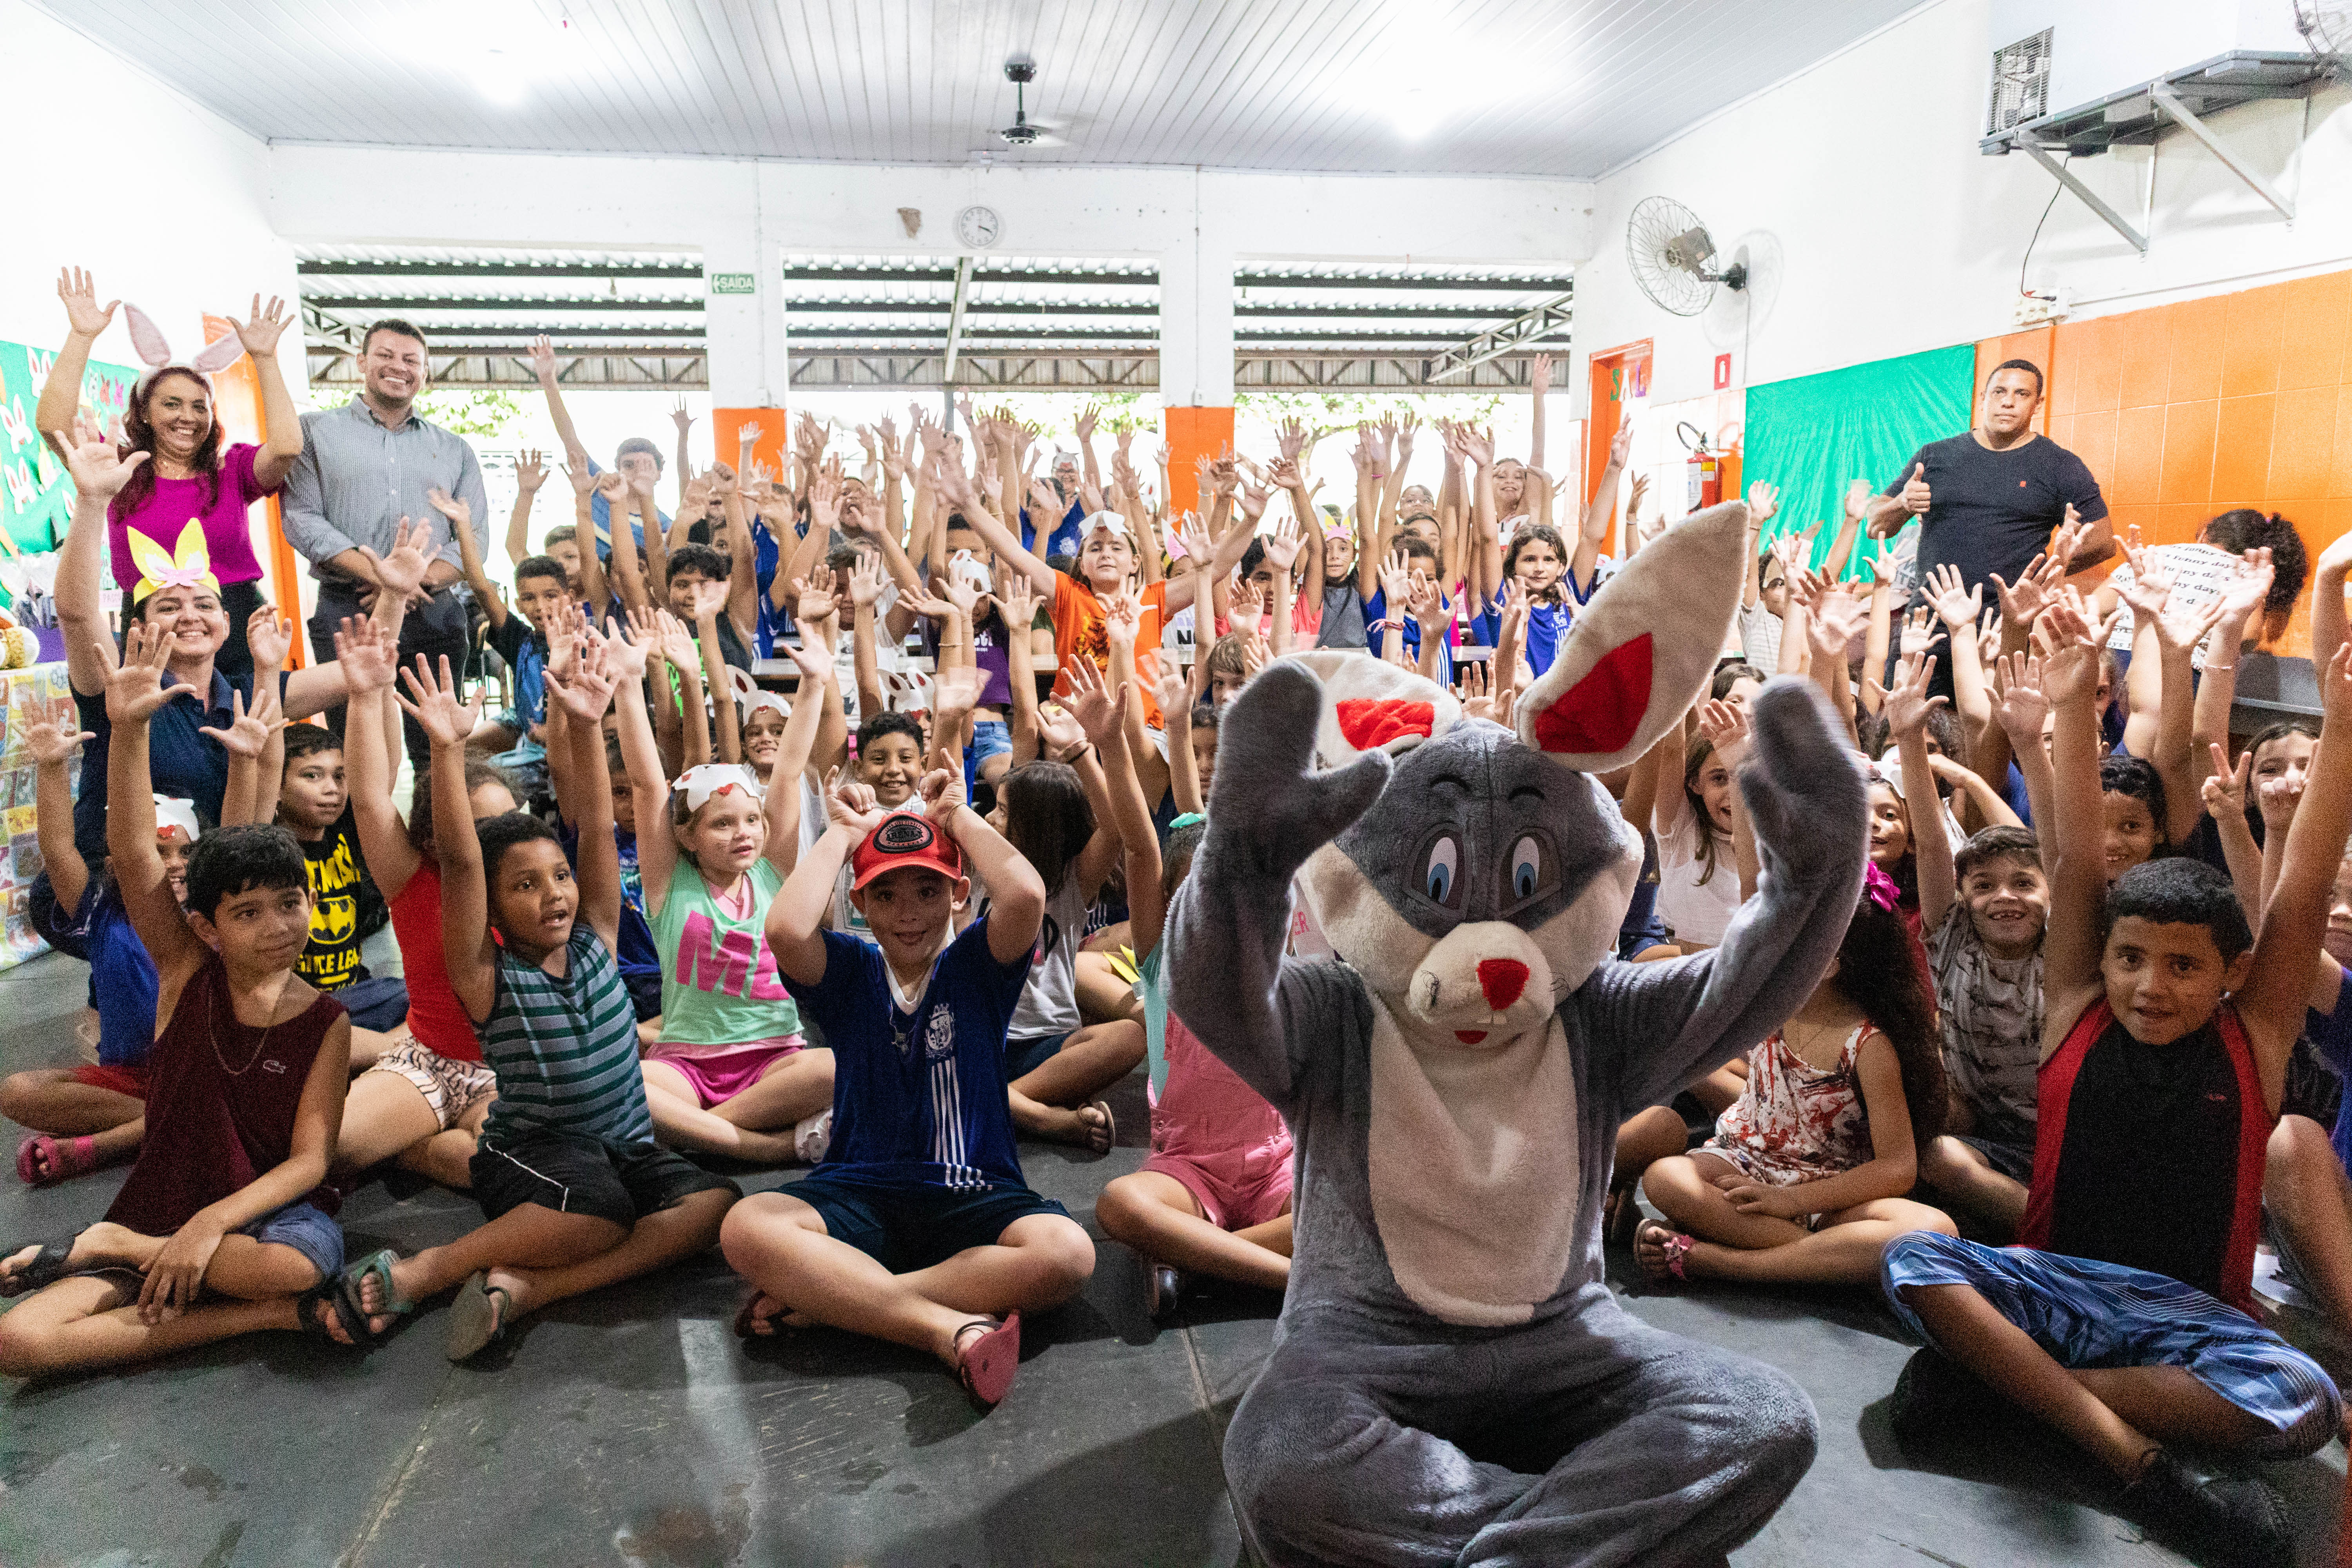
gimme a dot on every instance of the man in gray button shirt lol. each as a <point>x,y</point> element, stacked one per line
<point>364,467</point>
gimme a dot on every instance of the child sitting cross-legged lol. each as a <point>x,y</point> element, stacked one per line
<point>2120,1320</point>
<point>731,1074</point>
<point>576,1192</point>
<point>1803,1180</point>
<point>224,1226</point>
<point>919,1227</point>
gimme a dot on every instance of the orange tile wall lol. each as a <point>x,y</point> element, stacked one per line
<point>2186,410</point>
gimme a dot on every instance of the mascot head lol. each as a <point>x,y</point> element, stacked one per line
<point>1489,879</point>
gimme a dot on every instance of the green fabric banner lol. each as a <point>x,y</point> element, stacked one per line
<point>35,495</point>
<point>1812,436</point>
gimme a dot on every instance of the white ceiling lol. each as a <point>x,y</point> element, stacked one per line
<point>1546,88</point>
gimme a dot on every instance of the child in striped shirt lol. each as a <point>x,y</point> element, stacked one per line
<point>576,1192</point>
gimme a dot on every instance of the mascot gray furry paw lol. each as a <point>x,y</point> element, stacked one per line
<point>1452,1381</point>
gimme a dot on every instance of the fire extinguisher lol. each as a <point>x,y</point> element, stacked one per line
<point>1704,472</point>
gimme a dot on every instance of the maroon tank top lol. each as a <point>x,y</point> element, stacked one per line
<point>220,1105</point>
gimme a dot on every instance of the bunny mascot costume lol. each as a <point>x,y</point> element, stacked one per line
<point>1451,1379</point>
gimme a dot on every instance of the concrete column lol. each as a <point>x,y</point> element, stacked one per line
<point>743,333</point>
<point>1196,357</point>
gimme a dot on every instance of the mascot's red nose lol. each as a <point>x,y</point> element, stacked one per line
<point>1502,979</point>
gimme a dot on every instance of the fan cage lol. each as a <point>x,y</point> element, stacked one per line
<point>2021,83</point>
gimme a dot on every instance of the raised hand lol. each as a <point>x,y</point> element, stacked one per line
<point>812,602</point>
<point>2336,689</point>
<point>1393,573</point>
<point>1918,633</point>
<point>530,471</point>
<point>866,580</point>
<point>137,687</point>
<point>1950,599</point>
<point>679,417</point>
<point>850,804</point>
<point>1283,544</point>
<point>440,709</point>
<point>583,483</point>
<point>262,327</point>
<point>403,569</point>
<point>941,793</point>
<point>2020,706</point>
<point>1857,500</point>
<point>1193,535</point>
<point>1171,692</point>
<point>710,599</point>
<point>269,638</point>
<point>2224,790</point>
<point>1725,724</point>
<point>1058,726</point>
<point>1100,712</point>
<point>1908,704</point>
<point>1017,599</point>
<point>248,728</point>
<point>1539,375</point>
<point>1763,502</point>
<point>1241,608</point>
<point>51,744</point>
<point>1837,619</point>
<point>954,693</point>
<point>587,690</point>
<point>542,360</point>
<point>2043,577</point>
<point>2069,647</point>
<point>99,470</point>
<point>2249,585</point>
<point>84,314</point>
<point>677,644</point>
<point>1620,445</point>
<point>628,645</point>
<point>1917,496</point>
<point>366,658</point>
<point>697,500</point>
<point>1122,619</point>
<point>723,481</point>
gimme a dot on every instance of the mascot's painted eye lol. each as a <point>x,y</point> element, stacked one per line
<point>1440,872</point>
<point>1527,868</point>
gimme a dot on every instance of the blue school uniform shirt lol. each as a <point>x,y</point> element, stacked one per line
<point>1063,541</point>
<point>122,976</point>
<point>772,624</point>
<point>600,516</point>
<point>2331,1036</point>
<point>180,761</point>
<point>919,1098</point>
<point>1376,609</point>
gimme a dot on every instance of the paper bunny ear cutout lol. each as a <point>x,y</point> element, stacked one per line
<point>1370,705</point>
<point>156,354</point>
<point>189,566</point>
<point>1642,651</point>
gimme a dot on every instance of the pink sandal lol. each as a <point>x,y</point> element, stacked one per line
<point>65,1157</point>
<point>1677,1246</point>
<point>985,1365</point>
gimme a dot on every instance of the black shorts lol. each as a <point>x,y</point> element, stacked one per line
<point>571,1174</point>
<point>905,1228</point>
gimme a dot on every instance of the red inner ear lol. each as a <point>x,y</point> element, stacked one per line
<point>1601,712</point>
<point>1370,723</point>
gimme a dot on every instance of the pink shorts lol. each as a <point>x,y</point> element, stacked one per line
<point>1237,1188</point>
<point>720,1074</point>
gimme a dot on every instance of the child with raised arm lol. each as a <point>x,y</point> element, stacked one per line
<point>2120,1320</point>
<point>730,1074</point>
<point>919,1228</point>
<point>576,1193</point>
<point>224,1225</point>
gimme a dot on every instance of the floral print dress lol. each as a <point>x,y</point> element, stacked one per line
<point>1796,1123</point>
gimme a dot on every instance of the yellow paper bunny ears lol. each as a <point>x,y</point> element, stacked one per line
<point>190,564</point>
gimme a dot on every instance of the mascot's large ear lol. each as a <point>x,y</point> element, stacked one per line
<point>1370,705</point>
<point>1646,647</point>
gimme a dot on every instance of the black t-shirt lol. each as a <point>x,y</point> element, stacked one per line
<point>2148,1175</point>
<point>338,883</point>
<point>1993,511</point>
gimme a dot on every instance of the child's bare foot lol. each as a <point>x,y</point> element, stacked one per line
<point>762,1315</point>
<point>1660,1250</point>
<point>1089,1126</point>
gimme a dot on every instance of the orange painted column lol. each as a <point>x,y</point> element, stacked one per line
<point>727,424</point>
<point>1191,434</point>
<point>238,389</point>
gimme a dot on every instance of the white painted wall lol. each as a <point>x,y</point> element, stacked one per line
<point>1194,224</point>
<point>1859,183</point>
<point>164,202</point>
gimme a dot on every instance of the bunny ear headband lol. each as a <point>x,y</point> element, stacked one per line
<point>700,784</point>
<point>189,566</point>
<point>749,696</point>
<point>156,354</point>
<point>174,814</point>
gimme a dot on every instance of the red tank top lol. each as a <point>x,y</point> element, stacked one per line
<point>221,1099</point>
<point>2151,1156</point>
<point>435,1017</point>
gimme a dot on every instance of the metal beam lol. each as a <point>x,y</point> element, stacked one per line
<point>496,270</point>
<point>489,367</point>
<point>424,305</point>
<point>1100,308</point>
<point>1146,277</point>
<point>2169,101</point>
<point>2059,172</point>
<point>1271,279</point>
<point>682,336</point>
<point>955,316</point>
<point>1545,321</point>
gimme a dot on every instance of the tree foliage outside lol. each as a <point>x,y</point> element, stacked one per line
<point>484,410</point>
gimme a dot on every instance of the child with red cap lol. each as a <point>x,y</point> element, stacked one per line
<point>919,1228</point>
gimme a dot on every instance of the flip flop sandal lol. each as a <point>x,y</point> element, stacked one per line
<point>1104,1139</point>
<point>66,1158</point>
<point>353,1321</point>
<point>49,1267</point>
<point>1166,1286</point>
<point>395,1305</point>
<point>986,1362</point>
<point>1677,1246</point>
<point>474,1324</point>
<point>746,1319</point>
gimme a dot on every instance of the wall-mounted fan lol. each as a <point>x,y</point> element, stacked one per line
<point>1672,258</point>
<point>2327,27</point>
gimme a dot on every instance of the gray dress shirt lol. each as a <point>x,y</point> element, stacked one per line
<point>356,479</point>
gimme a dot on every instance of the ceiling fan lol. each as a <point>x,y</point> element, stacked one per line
<point>1025,132</point>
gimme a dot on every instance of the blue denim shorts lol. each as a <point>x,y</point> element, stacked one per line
<point>309,1230</point>
<point>990,737</point>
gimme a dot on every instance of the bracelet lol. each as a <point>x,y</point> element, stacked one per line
<point>1075,752</point>
<point>2211,668</point>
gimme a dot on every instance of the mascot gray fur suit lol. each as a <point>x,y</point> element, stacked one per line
<point>1451,1379</point>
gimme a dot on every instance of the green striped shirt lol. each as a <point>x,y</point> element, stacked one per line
<point>565,1050</point>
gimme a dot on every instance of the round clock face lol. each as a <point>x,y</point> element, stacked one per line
<point>979,226</point>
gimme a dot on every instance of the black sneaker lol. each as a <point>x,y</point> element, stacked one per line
<point>1936,1400</point>
<point>2222,1522</point>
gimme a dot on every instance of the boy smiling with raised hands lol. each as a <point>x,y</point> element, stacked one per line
<point>919,1227</point>
<point>2120,1320</point>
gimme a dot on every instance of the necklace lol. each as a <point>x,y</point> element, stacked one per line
<point>260,1046</point>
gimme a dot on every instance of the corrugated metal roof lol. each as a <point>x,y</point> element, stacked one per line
<point>1552,88</point>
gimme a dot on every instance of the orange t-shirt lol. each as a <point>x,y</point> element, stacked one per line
<point>1079,633</point>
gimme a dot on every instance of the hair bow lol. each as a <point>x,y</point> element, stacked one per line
<point>700,784</point>
<point>1880,889</point>
<point>189,566</point>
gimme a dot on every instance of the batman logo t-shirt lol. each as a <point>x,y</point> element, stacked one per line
<point>331,961</point>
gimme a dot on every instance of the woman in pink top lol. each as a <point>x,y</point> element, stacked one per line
<point>188,475</point>
<point>1214,1197</point>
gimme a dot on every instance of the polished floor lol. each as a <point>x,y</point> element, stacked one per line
<point>632,1428</point>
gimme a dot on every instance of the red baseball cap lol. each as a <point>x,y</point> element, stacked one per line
<point>904,838</point>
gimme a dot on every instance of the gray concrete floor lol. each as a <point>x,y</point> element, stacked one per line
<point>632,1428</point>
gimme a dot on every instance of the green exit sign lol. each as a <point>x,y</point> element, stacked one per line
<point>732,283</point>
